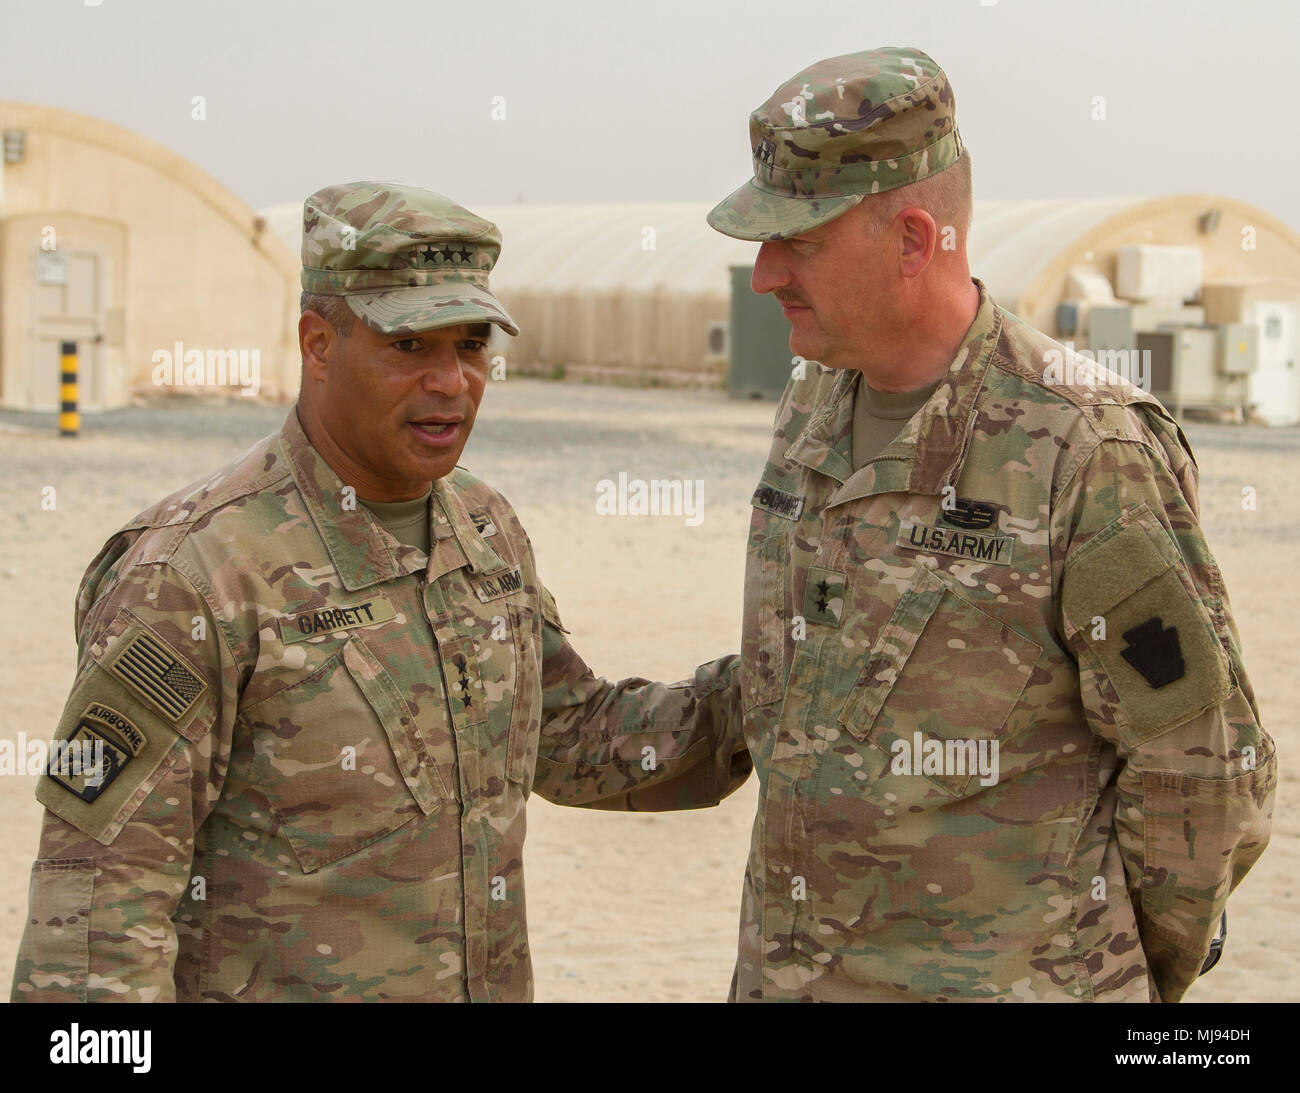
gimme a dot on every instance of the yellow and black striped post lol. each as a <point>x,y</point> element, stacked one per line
<point>69,419</point>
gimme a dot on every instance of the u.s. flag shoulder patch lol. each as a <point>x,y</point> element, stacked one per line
<point>154,671</point>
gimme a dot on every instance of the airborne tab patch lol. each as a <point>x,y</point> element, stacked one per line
<point>96,752</point>
<point>990,549</point>
<point>149,667</point>
<point>328,620</point>
<point>498,585</point>
<point>777,501</point>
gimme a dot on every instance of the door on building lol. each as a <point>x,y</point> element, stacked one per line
<point>1274,385</point>
<point>68,301</point>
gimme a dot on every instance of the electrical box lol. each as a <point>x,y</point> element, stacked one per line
<point>761,361</point>
<point>1116,326</point>
<point>1238,348</point>
<point>1067,318</point>
<point>1195,382</point>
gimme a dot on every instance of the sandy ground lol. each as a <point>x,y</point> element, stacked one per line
<point>621,907</point>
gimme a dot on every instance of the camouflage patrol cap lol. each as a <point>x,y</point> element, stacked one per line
<point>404,259</point>
<point>839,130</point>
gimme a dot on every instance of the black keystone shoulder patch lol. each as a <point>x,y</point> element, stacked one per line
<point>970,515</point>
<point>777,501</point>
<point>1154,652</point>
<point>149,667</point>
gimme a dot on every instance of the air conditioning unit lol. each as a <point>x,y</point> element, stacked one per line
<point>1152,272</point>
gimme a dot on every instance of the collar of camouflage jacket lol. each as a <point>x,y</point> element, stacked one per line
<point>927,454</point>
<point>363,552</point>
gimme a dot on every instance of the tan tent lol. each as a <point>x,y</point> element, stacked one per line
<point>149,265</point>
<point>639,291</point>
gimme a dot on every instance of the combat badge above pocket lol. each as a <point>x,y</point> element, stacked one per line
<point>1150,643</point>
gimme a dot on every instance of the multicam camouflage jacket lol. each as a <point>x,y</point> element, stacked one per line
<point>1006,745</point>
<point>316,748</point>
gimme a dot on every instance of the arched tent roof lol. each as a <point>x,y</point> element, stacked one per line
<point>594,248</point>
<point>38,118</point>
<point>1010,241</point>
<point>1019,249</point>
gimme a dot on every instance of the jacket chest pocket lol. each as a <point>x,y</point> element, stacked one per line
<point>338,756</point>
<point>947,672</point>
<point>491,667</point>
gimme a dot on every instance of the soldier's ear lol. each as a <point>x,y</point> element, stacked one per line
<point>315,337</point>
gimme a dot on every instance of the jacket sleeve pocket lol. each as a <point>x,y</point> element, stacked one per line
<point>58,928</point>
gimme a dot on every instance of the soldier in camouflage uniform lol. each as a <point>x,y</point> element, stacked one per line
<point>1006,744</point>
<point>320,719</point>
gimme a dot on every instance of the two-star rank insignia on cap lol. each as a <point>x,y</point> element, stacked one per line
<point>1154,652</point>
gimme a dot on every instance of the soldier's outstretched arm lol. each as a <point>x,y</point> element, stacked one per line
<point>154,703</point>
<point>635,745</point>
<point>1144,610</point>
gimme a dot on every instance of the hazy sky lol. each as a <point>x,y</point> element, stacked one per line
<point>648,102</point>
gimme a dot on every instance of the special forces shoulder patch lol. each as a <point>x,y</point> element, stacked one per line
<point>96,752</point>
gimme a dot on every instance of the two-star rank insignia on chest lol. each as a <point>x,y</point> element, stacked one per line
<point>823,600</point>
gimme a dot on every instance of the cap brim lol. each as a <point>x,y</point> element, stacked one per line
<point>758,215</point>
<point>426,307</point>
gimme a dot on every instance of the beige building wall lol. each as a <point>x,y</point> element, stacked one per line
<point>153,251</point>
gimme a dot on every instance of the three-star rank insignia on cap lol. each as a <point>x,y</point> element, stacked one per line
<point>823,599</point>
<point>1154,652</point>
<point>445,255</point>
